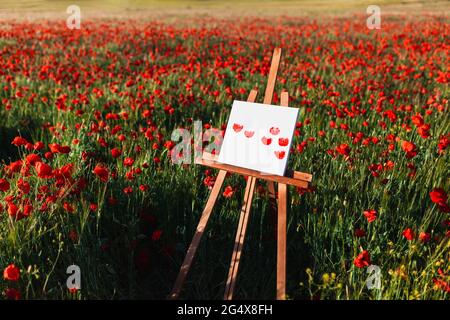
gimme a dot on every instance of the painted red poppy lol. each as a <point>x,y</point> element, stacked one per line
<point>274,131</point>
<point>249,134</point>
<point>283,142</point>
<point>280,154</point>
<point>237,127</point>
<point>266,141</point>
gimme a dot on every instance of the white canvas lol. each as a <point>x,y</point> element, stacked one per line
<point>259,137</point>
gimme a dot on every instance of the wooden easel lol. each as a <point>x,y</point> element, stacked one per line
<point>293,178</point>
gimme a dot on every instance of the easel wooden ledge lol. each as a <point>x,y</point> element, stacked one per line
<point>294,178</point>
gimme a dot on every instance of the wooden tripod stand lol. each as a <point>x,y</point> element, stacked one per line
<point>293,178</point>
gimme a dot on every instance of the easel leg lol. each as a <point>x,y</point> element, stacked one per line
<point>281,242</point>
<point>240,238</point>
<point>273,206</point>
<point>198,235</point>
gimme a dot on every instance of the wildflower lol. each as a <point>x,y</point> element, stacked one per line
<point>408,233</point>
<point>32,159</point>
<point>128,190</point>
<point>43,170</point>
<point>343,149</point>
<point>23,186</point>
<point>360,233</point>
<point>101,172</point>
<point>424,237</point>
<point>371,215</point>
<point>19,141</point>
<point>116,152</point>
<point>12,209</point>
<point>409,148</point>
<point>56,148</point>
<point>4,185</point>
<point>438,196</point>
<point>128,162</point>
<point>156,235</point>
<point>228,192</point>
<point>12,294</point>
<point>68,207</point>
<point>362,260</point>
<point>11,273</point>
<point>73,235</point>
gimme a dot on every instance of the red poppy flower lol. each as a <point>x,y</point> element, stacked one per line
<point>128,162</point>
<point>424,237</point>
<point>408,234</point>
<point>12,294</point>
<point>38,146</point>
<point>19,141</point>
<point>444,142</point>
<point>169,144</point>
<point>73,235</point>
<point>360,233</point>
<point>438,196</point>
<point>4,185</point>
<point>11,273</point>
<point>444,207</point>
<point>12,209</point>
<point>116,152</point>
<point>68,207</point>
<point>343,149</point>
<point>43,170</point>
<point>362,260</point>
<point>56,148</point>
<point>15,167</point>
<point>67,170</point>
<point>27,210</point>
<point>409,148</point>
<point>417,119</point>
<point>156,235</point>
<point>371,215</point>
<point>32,159</point>
<point>23,186</point>
<point>128,190</point>
<point>93,207</point>
<point>101,172</point>
<point>228,192</point>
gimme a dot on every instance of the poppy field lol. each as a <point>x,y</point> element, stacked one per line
<point>87,179</point>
